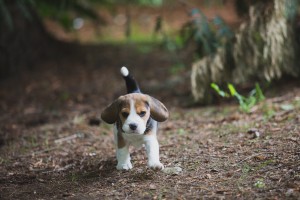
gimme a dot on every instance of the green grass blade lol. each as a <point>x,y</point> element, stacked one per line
<point>218,90</point>
<point>259,94</point>
<point>232,89</point>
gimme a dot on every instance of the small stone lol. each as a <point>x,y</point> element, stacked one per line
<point>289,192</point>
<point>208,176</point>
<point>152,187</point>
<point>209,141</point>
<point>254,132</point>
<point>172,170</point>
<point>214,170</point>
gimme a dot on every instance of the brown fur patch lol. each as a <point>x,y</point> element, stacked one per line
<point>121,141</point>
<point>142,106</point>
<point>124,107</point>
<point>149,132</point>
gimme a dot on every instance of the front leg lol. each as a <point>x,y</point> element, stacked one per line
<point>152,148</point>
<point>123,158</point>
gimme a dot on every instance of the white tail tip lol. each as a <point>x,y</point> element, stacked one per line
<point>124,71</point>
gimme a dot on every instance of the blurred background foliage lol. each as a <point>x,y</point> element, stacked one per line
<point>219,52</point>
<point>64,11</point>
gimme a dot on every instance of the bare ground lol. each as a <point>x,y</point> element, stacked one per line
<point>54,145</point>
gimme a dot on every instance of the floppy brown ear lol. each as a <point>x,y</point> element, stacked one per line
<point>158,111</point>
<point>110,113</point>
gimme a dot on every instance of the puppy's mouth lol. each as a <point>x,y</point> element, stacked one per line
<point>132,132</point>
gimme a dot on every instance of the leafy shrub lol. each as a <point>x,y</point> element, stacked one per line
<point>207,34</point>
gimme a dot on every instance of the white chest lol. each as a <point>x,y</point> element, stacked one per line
<point>134,140</point>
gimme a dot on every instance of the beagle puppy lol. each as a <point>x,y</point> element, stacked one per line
<point>135,117</point>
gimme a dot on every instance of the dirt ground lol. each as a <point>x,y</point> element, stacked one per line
<point>53,144</point>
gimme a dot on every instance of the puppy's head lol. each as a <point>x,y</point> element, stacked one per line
<point>133,111</point>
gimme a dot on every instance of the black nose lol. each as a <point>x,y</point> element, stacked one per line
<point>132,126</point>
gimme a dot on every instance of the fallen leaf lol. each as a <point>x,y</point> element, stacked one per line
<point>287,107</point>
<point>260,157</point>
<point>152,187</point>
<point>208,176</point>
<point>172,170</point>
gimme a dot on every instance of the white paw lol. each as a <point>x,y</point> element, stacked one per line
<point>156,165</point>
<point>125,166</point>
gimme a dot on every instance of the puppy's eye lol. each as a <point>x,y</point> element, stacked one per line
<point>125,114</point>
<point>142,114</point>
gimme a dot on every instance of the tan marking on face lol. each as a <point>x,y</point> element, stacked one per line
<point>141,107</point>
<point>124,108</point>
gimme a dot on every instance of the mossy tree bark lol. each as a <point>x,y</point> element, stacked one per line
<point>265,48</point>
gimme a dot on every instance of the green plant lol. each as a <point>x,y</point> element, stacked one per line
<point>268,111</point>
<point>208,35</point>
<point>245,170</point>
<point>74,177</point>
<point>246,103</point>
<point>181,131</point>
<point>177,68</point>
<point>219,91</point>
<point>259,184</point>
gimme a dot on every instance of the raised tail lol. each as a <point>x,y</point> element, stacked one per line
<point>131,84</point>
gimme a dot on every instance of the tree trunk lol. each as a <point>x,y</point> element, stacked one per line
<point>265,48</point>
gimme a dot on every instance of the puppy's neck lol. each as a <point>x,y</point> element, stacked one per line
<point>149,126</point>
